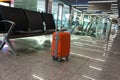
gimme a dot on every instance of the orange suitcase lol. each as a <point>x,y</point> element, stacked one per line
<point>60,45</point>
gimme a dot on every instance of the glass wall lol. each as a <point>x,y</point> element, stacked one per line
<point>35,5</point>
<point>94,25</point>
<point>41,5</point>
<point>76,19</point>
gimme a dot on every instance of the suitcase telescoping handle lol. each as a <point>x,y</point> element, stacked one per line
<point>59,16</point>
<point>59,13</point>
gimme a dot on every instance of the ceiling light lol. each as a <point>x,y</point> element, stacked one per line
<point>114,4</point>
<point>114,7</point>
<point>81,5</point>
<point>101,1</point>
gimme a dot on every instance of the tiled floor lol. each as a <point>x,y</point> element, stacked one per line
<point>90,59</point>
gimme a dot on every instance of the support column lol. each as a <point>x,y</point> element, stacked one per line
<point>118,1</point>
<point>70,16</point>
<point>70,9</point>
<point>48,6</point>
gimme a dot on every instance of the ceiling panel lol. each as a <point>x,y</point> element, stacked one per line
<point>99,6</point>
<point>110,5</point>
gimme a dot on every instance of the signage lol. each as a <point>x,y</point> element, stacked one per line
<point>99,6</point>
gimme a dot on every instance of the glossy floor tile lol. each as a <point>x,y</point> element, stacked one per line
<point>90,59</point>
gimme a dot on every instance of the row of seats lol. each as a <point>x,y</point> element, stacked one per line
<point>17,23</point>
<point>26,21</point>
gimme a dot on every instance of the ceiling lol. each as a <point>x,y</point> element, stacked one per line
<point>92,6</point>
<point>107,6</point>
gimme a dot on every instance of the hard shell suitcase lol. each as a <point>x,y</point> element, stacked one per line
<point>60,40</point>
<point>60,45</point>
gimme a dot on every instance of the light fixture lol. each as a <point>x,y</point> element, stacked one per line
<point>102,1</point>
<point>114,4</point>
<point>114,7</point>
<point>80,5</point>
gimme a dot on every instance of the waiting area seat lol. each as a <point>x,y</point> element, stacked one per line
<point>18,23</point>
<point>49,23</point>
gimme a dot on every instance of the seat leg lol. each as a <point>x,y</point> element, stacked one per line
<point>6,40</point>
<point>2,44</point>
<point>11,47</point>
<point>6,37</point>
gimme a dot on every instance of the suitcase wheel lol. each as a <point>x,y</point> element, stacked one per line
<point>54,58</point>
<point>66,58</point>
<point>59,60</point>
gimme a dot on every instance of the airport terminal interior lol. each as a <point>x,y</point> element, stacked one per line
<point>94,42</point>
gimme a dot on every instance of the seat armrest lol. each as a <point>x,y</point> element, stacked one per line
<point>11,27</point>
<point>11,22</point>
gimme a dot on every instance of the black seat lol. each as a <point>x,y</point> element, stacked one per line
<point>2,28</point>
<point>49,23</point>
<point>35,21</point>
<point>16,15</point>
<point>23,23</point>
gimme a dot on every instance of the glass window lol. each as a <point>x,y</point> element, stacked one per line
<point>35,5</point>
<point>26,4</point>
<point>41,5</point>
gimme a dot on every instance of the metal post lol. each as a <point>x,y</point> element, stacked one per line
<point>118,2</point>
<point>46,6</point>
